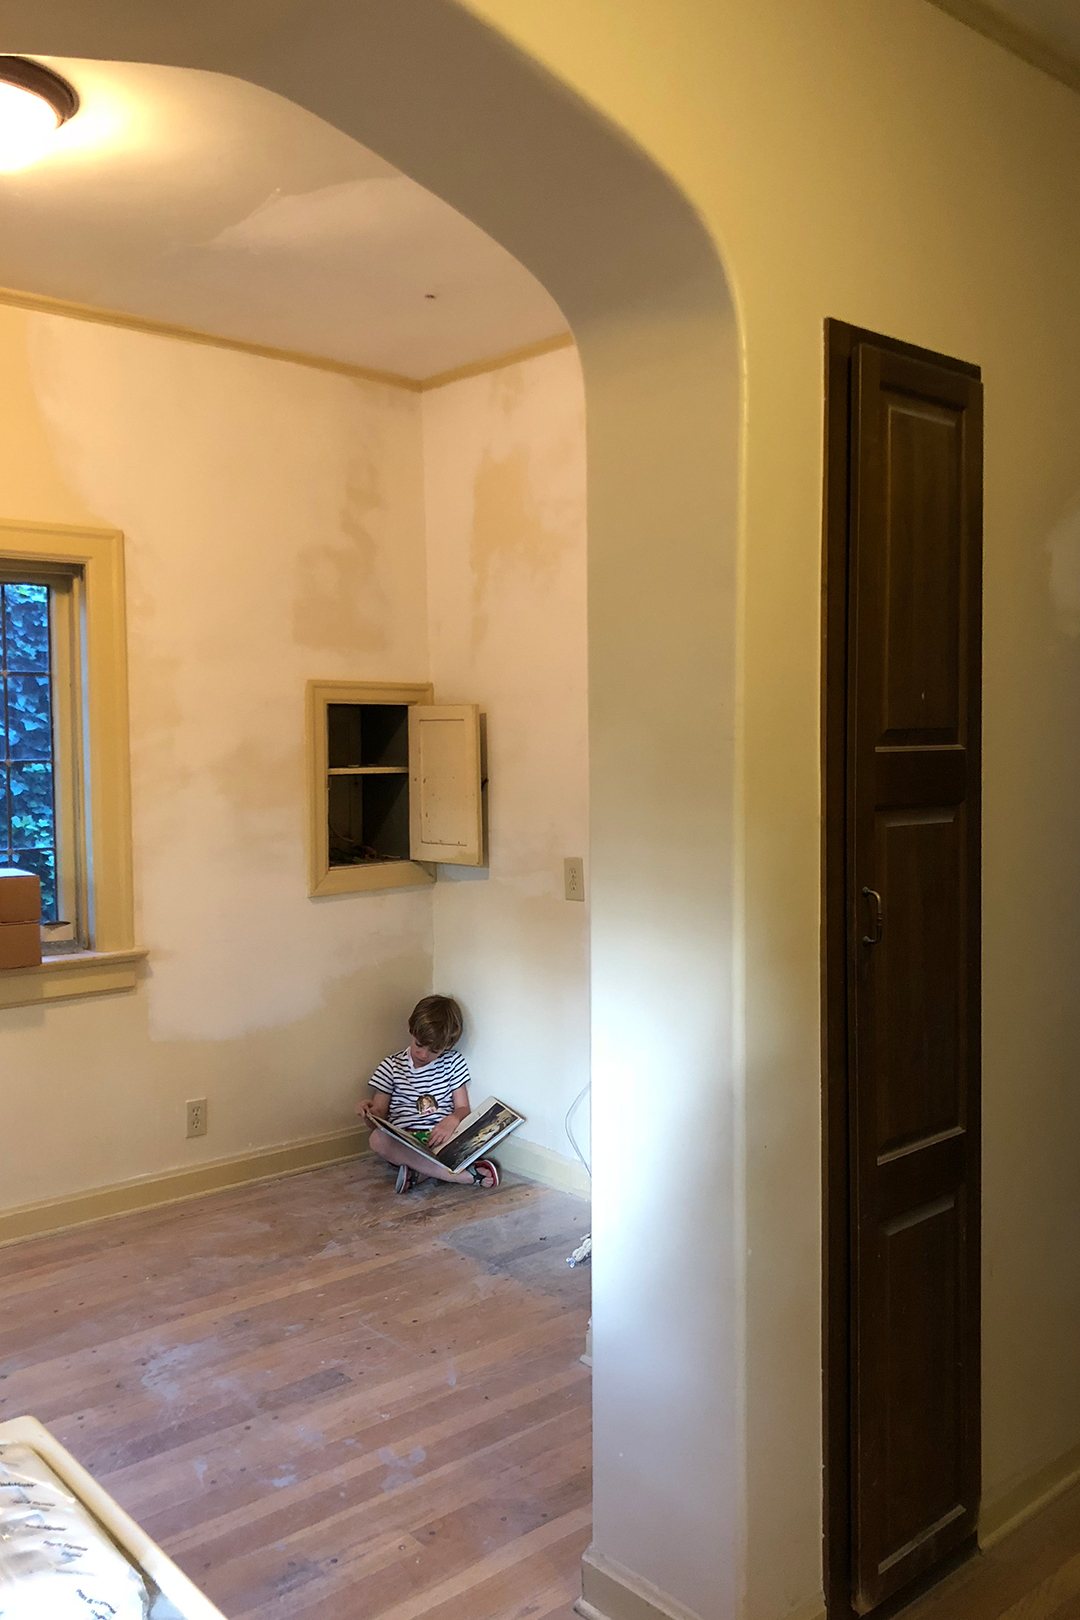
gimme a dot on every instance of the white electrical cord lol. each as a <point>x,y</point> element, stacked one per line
<point>583,1252</point>
<point>570,1112</point>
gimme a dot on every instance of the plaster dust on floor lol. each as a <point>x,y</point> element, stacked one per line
<point>313,1387</point>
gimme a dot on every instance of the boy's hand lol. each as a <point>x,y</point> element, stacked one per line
<point>442,1131</point>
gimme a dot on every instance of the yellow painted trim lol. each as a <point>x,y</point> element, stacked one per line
<point>99,553</point>
<point>1007,1513</point>
<point>41,304</point>
<point>544,1165</point>
<point>175,1186</point>
<point>1015,37</point>
<point>61,978</point>
<point>530,351</point>
<point>359,879</point>
<point>324,879</point>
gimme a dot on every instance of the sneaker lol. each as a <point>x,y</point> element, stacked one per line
<point>485,1173</point>
<point>407,1178</point>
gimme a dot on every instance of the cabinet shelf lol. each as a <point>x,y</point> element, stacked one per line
<point>368,770</point>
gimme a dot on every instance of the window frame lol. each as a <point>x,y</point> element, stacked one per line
<point>324,879</point>
<point>96,746</point>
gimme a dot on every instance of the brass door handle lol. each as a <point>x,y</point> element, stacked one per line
<point>877,918</point>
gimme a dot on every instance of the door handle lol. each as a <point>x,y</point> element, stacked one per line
<point>877,919</point>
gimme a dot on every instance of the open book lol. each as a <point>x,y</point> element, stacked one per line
<point>474,1138</point>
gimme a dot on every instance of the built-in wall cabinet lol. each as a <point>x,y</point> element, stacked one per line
<point>395,786</point>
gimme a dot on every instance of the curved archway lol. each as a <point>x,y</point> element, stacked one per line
<point>453,105</point>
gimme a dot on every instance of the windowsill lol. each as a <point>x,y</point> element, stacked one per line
<point>373,875</point>
<point>69,974</point>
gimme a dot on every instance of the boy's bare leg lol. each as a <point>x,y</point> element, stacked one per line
<point>395,1152</point>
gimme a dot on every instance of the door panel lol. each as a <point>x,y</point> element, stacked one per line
<point>916,988</point>
<point>445,804</point>
<point>920,1355</point>
<point>921,566</point>
<point>912,907</point>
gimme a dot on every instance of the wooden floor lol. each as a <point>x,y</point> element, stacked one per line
<point>324,1400</point>
<point>1033,1574</point>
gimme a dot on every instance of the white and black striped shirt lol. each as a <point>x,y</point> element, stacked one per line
<point>419,1097</point>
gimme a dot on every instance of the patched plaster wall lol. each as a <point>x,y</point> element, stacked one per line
<point>273,517</point>
<point>504,463</point>
<point>274,522</point>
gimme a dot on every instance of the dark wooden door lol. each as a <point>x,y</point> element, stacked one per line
<point>912,946</point>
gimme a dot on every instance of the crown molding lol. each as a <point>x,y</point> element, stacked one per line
<point>529,351</point>
<point>40,304</point>
<point>1016,37</point>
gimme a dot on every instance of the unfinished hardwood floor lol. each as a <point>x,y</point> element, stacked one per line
<point>321,1399</point>
<point>1033,1574</point>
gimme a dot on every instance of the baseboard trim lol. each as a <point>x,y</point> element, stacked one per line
<point>610,1591</point>
<point>1000,1518</point>
<point>542,1164</point>
<point>814,1610</point>
<point>173,1186</point>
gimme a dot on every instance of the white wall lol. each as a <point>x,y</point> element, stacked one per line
<point>504,462</point>
<point>274,531</point>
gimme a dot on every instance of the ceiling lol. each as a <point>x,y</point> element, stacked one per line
<point>1045,33</point>
<point>203,201</point>
<point>1057,22</point>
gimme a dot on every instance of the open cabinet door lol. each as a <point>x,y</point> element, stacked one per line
<point>444,784</point>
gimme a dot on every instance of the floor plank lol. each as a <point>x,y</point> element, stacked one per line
<point>1033,1574</point>
<point>323,1399</point>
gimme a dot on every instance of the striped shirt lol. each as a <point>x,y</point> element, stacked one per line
<point>419,1097</point>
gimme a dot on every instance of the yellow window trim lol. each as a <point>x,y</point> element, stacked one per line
<point>322,877</point>
<point>79,973</point>
<point>98,555</point>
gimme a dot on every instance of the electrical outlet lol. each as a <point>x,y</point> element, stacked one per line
<point>196,1117</point>
<point>574,877</point>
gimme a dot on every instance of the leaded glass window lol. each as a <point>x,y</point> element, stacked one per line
<point>28,823</point>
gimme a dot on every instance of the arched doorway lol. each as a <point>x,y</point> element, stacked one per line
<point>452,105</point>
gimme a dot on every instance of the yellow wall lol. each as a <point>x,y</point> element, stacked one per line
<point>504,463</point>
<point>884,165</point>
<point>274,531</point>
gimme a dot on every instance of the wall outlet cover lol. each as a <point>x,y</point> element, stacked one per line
<point>196,1117</point>
<point>574,877</point>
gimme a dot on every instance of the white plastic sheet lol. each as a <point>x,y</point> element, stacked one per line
<point>55,1560</point>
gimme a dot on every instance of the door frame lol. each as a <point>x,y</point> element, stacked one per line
<point>841,341</point>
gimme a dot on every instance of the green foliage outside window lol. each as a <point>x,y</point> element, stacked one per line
<point>27,803</point>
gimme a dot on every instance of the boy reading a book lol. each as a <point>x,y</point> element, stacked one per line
<point>423,1089</point>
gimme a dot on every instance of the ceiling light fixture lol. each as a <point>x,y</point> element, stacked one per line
<point>34,102</point>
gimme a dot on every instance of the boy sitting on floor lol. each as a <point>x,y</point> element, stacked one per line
<point>424,1089</point>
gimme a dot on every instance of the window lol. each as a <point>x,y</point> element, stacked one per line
<point>64,770</point>
<point>39,742</point>
<point>394,785</point>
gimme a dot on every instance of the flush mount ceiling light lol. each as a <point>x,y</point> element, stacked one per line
<point>34,102</point>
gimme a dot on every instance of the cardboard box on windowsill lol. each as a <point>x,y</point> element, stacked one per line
<point>20,895</point>
<point>20,918</point>
<point>20,945</point>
